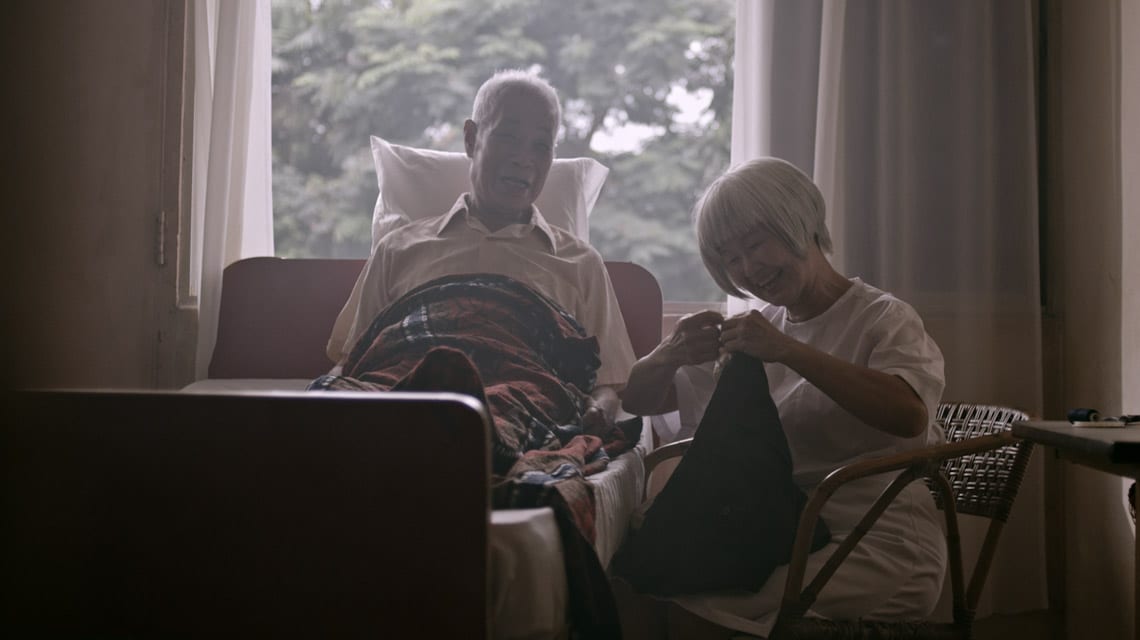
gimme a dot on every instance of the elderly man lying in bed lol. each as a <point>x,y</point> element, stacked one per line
<point>491,300</point>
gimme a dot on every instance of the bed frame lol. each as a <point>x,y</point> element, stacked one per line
<point>158,513</point>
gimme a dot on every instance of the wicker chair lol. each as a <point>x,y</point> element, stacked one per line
<point>978,471</point>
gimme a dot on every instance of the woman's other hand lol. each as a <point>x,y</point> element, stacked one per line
<point>751,333</point>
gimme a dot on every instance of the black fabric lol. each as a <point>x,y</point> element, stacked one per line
<point>727,517</point>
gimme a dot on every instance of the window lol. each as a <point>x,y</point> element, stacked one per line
<point>646,90</point>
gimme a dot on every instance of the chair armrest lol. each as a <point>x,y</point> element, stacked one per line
<point>663,453</point>
<point>659,455</point>
<point>934,454</point>
<point>914,464</point>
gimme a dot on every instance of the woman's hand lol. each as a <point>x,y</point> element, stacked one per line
<point>883,401</point>
<point>751,333</point>
<point>695,339</point>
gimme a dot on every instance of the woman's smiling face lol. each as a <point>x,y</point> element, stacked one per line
<point>761,264</point>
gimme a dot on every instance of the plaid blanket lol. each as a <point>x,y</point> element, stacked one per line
<point>532,364</point>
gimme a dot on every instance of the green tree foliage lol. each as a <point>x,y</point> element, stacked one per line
<point>407,70</point>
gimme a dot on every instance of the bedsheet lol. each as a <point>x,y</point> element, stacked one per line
<point>529,596</point>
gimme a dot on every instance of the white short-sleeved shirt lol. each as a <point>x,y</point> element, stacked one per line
<point>552,260</point>
<point>897,569</point>
<point>871,328</point>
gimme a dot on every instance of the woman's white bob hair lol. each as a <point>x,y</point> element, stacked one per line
<point>766,193</point>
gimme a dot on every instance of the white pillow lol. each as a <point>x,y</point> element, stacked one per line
<point>421,183</point>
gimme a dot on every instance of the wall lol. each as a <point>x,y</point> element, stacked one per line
<point>93,134</point>
<point>1130,202</point>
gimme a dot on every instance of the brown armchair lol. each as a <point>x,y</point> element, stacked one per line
<point>978,471</point>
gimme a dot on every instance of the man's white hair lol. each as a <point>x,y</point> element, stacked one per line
<point>491,92</point>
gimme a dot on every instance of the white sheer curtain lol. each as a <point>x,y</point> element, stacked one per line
<point>232,207</point>
<point>917,120</point>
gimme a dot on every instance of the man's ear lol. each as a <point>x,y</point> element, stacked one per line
<point>469,131</point>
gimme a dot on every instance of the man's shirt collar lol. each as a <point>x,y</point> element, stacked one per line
<point>460,212</point>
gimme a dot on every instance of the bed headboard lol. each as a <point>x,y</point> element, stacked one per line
<point>276,314</point>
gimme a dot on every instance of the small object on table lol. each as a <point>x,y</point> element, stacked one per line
<point>1083,415</point>
<point>1091,418</point>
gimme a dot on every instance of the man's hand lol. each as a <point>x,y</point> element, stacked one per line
<point>601,410</point>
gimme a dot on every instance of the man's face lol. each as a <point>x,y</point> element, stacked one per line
<point>511,154</point>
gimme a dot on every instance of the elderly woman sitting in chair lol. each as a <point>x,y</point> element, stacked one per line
<point>827,371</point>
